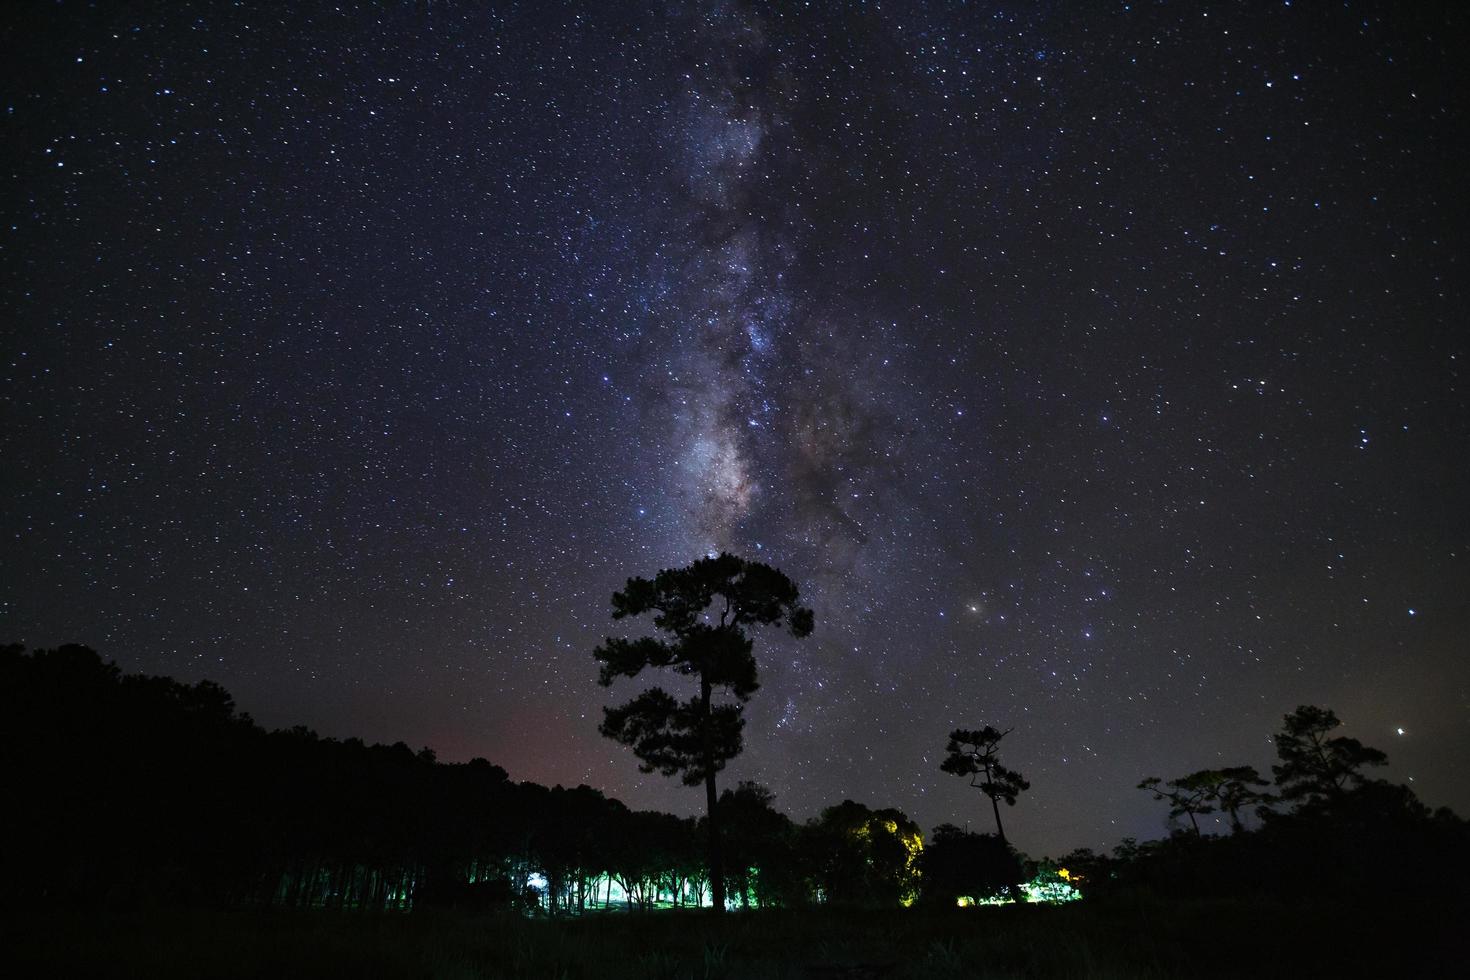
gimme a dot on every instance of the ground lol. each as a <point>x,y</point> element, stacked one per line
<point>1125,939</point>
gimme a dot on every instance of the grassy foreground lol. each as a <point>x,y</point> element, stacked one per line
<point>1205,939</point>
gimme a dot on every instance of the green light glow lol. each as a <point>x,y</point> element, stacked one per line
<point>1049,887</point>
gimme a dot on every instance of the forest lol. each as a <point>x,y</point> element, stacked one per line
<point>141,789</point>
<point>134,792</point>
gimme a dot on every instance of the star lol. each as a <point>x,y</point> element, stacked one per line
<point>883,310</point>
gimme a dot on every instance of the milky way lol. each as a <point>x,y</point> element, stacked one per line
<point>724,302</point>
<point>1096,370</point>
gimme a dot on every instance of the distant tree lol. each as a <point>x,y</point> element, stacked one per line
<point>1209,791</point>
<point>703,612</point>
<point>864,857</point>
<point>688,875</point>
<point>1188,796</point>
<point>637,856</point>
<point>957,863</point>
<point>1317,767</point>
<point>974,754</point>
<point>1240,787</point>
<point>565,843</point>
<point>1086,869</point>
<point>757,840</point>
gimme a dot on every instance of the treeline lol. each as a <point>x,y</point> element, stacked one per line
<point>1326,828</point>
<point>127,788</point>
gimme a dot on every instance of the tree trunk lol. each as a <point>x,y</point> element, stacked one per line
<point>1017,895</point>
<point>716,863</point>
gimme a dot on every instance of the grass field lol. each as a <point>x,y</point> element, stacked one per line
<point>1083,940</point>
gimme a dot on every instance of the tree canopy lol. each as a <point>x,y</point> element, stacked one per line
<point>204,807</point>
<point>976,754</point>
<point>1209,791</point>
<point>957,863</point>
<point>703,614</point>
<point>1317,766</point>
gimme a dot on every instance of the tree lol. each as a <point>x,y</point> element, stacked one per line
<point>957,863</point>
<point>974,754</point>
<point>1239,787</point>
<point>756,842</point>
<point>1207,791</point>
<point>865,857</point>
<point>1316,768</point>
<point>703,612</point>
<point>1188,796</point>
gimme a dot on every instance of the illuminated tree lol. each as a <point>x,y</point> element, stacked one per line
<point>974,754</point>
<point>865,857</point>
<point>703,613</point>
<point>1314,768</point>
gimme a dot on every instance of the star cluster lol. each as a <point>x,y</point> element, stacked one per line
<point>1096,369</point>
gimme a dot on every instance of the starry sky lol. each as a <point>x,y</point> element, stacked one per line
<point>1097,370</point>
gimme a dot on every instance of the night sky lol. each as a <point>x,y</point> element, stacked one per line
<point>1096,370</point>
